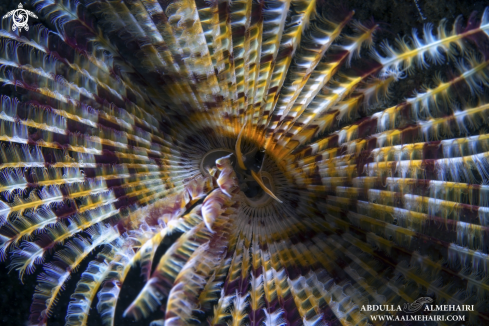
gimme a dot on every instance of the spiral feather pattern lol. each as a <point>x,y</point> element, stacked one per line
<point>247,158</point>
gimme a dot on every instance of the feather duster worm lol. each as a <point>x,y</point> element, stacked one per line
<point>247,158</point>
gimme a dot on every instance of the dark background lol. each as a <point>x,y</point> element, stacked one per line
<point>399,18</point>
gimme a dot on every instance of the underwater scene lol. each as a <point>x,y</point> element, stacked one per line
<point>244,162</point>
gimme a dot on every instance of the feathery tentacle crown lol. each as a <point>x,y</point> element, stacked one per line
<point>252,141</point>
